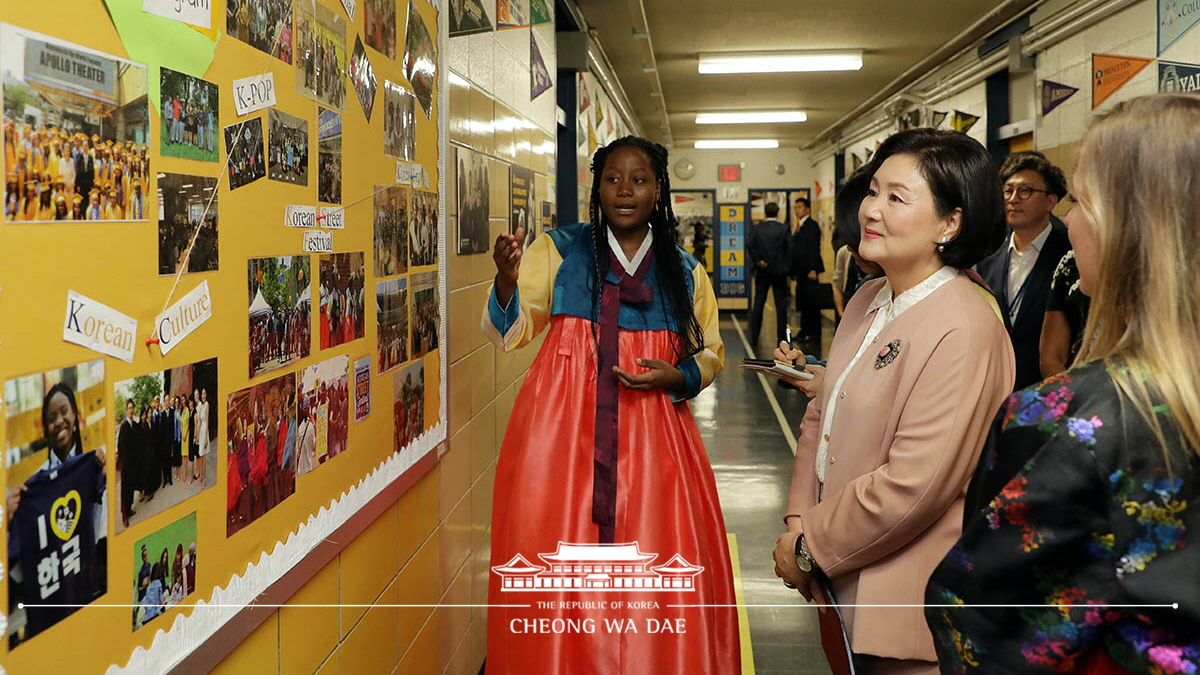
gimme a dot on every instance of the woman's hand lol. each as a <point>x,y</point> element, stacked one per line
<point>661,375</point>
<point>507,256</point>
<point>785,565</point>
<point>784,353</point>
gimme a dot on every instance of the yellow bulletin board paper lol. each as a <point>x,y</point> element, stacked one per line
<point>158,41</point>
<point>119,262</point>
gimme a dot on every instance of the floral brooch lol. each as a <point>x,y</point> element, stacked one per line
<point>887,354</point>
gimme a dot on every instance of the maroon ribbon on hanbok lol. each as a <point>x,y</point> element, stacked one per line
<point>631,290</point>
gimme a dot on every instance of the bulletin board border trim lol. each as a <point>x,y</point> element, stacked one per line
<point>194,633</point>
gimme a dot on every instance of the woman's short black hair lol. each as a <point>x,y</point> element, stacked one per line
<point>845,207</point>
<point>961,175</point>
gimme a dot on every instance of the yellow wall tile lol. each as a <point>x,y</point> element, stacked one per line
<point>455,468</point>
<point>500,184</point>
<point>460,111</point>
<point>465,308</point>
<point>368,564</point>
<point>481,503</point>
<point>483,268</point>
<point>451,181</point>
<point>482,122</point>
<point>371,648</point>
<point>422,656</point>
<point>332,665</point>
<point>483,440</point>
<point>417,586</point>
<point>459,405</point>
<point>456,616</point>
<point>455,541</point>
<point>418,516</point>
<point>464,660</point>
<point>483,377</point>
<point>258,653</point>
<point>481,567</point>
<point>308,634</point>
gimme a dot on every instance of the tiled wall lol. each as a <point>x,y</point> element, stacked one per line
<point>432,546</point>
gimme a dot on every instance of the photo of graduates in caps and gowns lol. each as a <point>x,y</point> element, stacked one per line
<point>187,207</point>
<point>391,230</point>
<point>76,129</point>
<point>408,409</point>
<point>57,458</point>
<point>342,278</point>
<point>166,431</point>
<point>261,452</point>
<point>324,412</point>
<point>425,313</point>
<point>164,569</point>
<point>280,311</point>
<point>265,25</point>
<point>391,302</point>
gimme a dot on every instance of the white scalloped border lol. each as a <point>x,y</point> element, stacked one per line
<point>170,647</point>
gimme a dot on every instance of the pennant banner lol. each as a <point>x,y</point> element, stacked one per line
<point>1178,77</point>
<point>539,76</point>
<point>855,162</point>
<point>1110,73</point>
<point>938,118</point>
<point>1175,17</point>
<point>818,185</point>
<point>962,121</point>
<point>1053,94</point>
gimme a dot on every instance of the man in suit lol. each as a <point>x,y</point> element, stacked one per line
<point>769,248</point>
<point>806,265</point>
<point>1019,272</point>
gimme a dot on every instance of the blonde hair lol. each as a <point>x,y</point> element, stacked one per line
<point>1138,184</point>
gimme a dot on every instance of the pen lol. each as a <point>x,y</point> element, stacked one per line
<point>789,336</point>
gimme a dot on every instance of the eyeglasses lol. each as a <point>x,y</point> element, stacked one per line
<point>1022,192</point>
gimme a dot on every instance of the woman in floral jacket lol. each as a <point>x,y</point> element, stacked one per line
<point>1083,556</point>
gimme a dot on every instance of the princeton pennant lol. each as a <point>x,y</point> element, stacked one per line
<point>962,122</point>
<point>1110,73</point>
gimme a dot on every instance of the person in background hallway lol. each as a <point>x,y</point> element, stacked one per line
<point>806,265</point>
<point>1019,271</point>
<point>1091,481</point>
<point>1066,315</point>
<point>769,250</point>
<point>602,418</point>
<point>916,372</point>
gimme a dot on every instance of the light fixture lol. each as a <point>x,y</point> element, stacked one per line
<point>765,116</point>
<point>761,143</point>
<point>781,62</point>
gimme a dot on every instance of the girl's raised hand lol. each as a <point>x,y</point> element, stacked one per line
<point>507,255</point>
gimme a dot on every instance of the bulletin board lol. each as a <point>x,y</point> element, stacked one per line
<point>315,379</point>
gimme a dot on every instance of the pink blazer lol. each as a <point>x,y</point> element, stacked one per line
<point>902,448</point>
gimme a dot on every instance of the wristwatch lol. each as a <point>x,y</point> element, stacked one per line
<point>804,559</point>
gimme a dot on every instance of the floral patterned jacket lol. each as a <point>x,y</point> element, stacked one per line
<point>1087,519</point>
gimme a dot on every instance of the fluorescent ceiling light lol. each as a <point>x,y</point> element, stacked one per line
<point>780,62</point>
<point>762,143</point>
<point>765,116</point>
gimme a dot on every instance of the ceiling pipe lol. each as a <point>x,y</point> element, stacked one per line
<point>1064,25</point>
<point>641,32</point>
<point>939,54</point>
<point>602,68</point>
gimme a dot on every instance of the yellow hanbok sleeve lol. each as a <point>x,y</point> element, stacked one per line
<point>528,310</point>
<point>700,369</point>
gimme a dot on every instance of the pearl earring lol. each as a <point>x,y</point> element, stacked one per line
<point>941,245</point>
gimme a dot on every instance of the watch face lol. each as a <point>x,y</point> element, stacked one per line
<point>804,564</point>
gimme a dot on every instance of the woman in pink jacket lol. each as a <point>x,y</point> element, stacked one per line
<point>916,372</point>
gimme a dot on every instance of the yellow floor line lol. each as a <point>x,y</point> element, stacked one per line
<point>740,596</point>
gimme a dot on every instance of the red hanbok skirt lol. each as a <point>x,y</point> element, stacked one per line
<point>666,503</point>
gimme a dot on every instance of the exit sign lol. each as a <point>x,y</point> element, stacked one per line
<point>729,172</point>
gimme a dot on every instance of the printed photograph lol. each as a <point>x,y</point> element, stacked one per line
<point>187,207</point>
<point>391,230</point>
<point>423,228</point>
<point>399,122</point>
<point>695,210</point>
<point>76,130</point>
<point>287,148</point>
<point>261,452</point>
<point>362,75</point>
<point>391,303</point>
<point>512,14</point>
<point>425,314</point>
<point>166,424</point>
<point>57,503</point>
<point>380,16</point>
<point>324,412</point>
<point>164,569</point>
<point>408,408</point>
<point>321,55</point>
<point>188,110</point>
<point>265,25</point>
<point>362,388</point>
<point>540,12</point>
<point>474,202</point>
<point>521,203</point>
<point>342,277</point>
<point>244,143</point>
<point>280,311</point>
<point>420,59</point>
<point>329,156</point>
<point>467,17</point>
